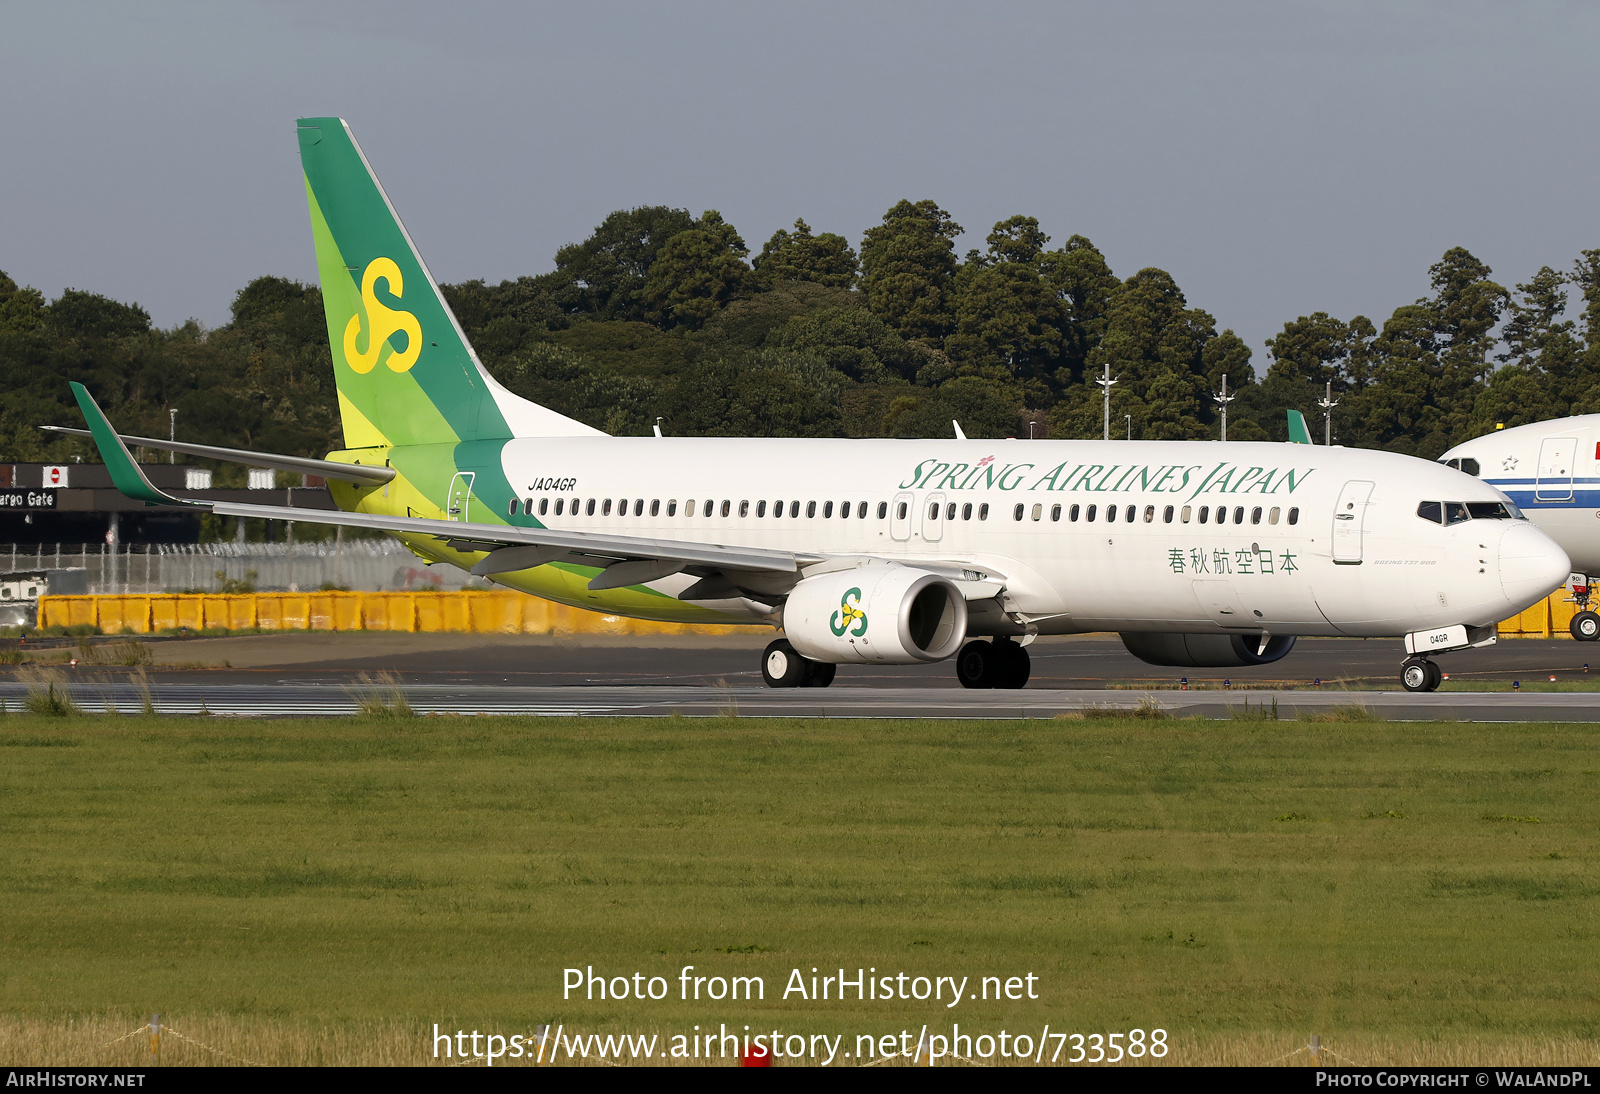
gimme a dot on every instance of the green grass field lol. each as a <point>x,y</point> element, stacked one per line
<point>327,890</point>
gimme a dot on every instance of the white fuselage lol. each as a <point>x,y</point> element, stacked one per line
<point>1552,471</point>
<point>1315,540</point>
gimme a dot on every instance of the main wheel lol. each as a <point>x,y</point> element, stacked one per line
<point>1418,675</point>
<point>819,674</point>
<point>975,665</point>
<point>1014,665</point>
<point>1586,626</point>
<point>781,667</point>
<point>1435,675</point>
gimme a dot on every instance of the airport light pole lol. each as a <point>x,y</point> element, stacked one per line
<point>1106,383</point>
<point>1222,402</point>
<point>1327,403</point>
<point>172,432</point>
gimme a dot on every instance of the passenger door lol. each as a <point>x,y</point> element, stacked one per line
<point>457,504</point>
<point>1556,456</point>
<point>1349,516</point>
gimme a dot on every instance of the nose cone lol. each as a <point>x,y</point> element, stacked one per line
<point>1532,566</point>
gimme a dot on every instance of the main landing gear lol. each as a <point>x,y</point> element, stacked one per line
<point>1420,674</point>
<point>782,667</point>
<point>998,664</point>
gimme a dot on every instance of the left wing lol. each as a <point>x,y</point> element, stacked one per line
<point>624,560</point>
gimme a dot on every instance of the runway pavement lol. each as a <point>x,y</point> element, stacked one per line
<point>317,674</point>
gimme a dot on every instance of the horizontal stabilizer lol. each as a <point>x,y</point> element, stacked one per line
<point>328,469</point>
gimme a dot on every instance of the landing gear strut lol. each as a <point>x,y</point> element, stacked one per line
<point>998,664</point>
<point>1420,674</point>
<point>1585,626</point>
<point>782,667</point>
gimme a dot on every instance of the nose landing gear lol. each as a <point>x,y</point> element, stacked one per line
<point>1420,674</point>
<point>1585,626</point>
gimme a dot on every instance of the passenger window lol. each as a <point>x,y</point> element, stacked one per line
<point>655,507</point>
<point>1132,511</point>
<point>777,509</point>
<point>514,504</point>
<point>1184,516</point>
<point>883,510</point>
<point>900,511</point>
<point>1016,514</point>
<point>1072,514</point>
<point>638,508</point>
<point>1111,513</point>
<point>527,507</point>
<point>1255,515</point>
<point>1166,516</point>
<point>605,508</point>
<point>1205,511</point>
<point>560,502</point>
<point>811,508</point>
<point>861,510</point>
<point>1038,511</point>
<point>1272,515</point>
<point>672,507</point>
<point>1431,510</point>
<point>544,506</point>
<point>1055,512</point>
<point>827,510</point>
<point>966,511</point>
<point>710,508</point>
<point>950,511</point>
<point>844,510</point>
<point>1294,515</point>
<point>744,508</point>
<point>1088,515</point>
<point>761,508</point>
<point>727,506</point>
<point>688,508</point>
<point>1149,514</point>
<point>588,510</point>
<point>1238,514</point>
<point>983,511</point>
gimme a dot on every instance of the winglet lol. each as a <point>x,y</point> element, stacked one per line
<point>125,473</point>
<point>1298,433</point>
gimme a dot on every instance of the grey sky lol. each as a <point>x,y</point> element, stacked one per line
<point>1278,158</point>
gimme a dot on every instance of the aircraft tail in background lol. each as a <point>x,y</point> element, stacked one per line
<point>1298,433</point>
<point>403,367</point>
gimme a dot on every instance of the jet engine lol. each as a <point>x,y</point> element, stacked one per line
<point>877,614</point>
<point>1206,651</point>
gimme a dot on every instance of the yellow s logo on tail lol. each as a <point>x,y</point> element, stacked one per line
<point>382,322</point>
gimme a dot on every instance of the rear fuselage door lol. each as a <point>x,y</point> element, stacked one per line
<point>456,505</point>
<point>933,517</point>
<point>1349,516</point>
<point>900,516</point>
<point>1556,456</point>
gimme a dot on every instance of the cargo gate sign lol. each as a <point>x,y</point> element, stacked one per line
<point>27,499</point>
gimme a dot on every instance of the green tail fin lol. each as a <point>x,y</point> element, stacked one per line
<point>1298,433</point>
<point>404,370</point>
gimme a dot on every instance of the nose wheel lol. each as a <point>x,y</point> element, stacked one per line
<point>1420,675</point>
<point>1586,626</point>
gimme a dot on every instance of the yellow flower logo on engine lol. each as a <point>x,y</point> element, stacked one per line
<point>382,322</point>
<point>847,614</point>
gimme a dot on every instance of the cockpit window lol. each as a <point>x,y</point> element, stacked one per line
<point>1455,512</point>
<point>1467,464</point>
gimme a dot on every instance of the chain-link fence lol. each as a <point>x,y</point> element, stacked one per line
<point>366,565</point>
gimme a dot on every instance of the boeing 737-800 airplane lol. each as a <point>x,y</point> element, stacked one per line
<point>891,551</point>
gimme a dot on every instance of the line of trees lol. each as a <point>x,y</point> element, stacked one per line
<point>662,314</point>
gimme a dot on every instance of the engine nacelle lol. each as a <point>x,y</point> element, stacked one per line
<point>878,614</point>
<point>1206,651</point>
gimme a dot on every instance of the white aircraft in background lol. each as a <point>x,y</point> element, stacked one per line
<point>870,551</point>
<point>1551,470</point>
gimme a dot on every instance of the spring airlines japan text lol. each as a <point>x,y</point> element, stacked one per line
<point>1191,480</point>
